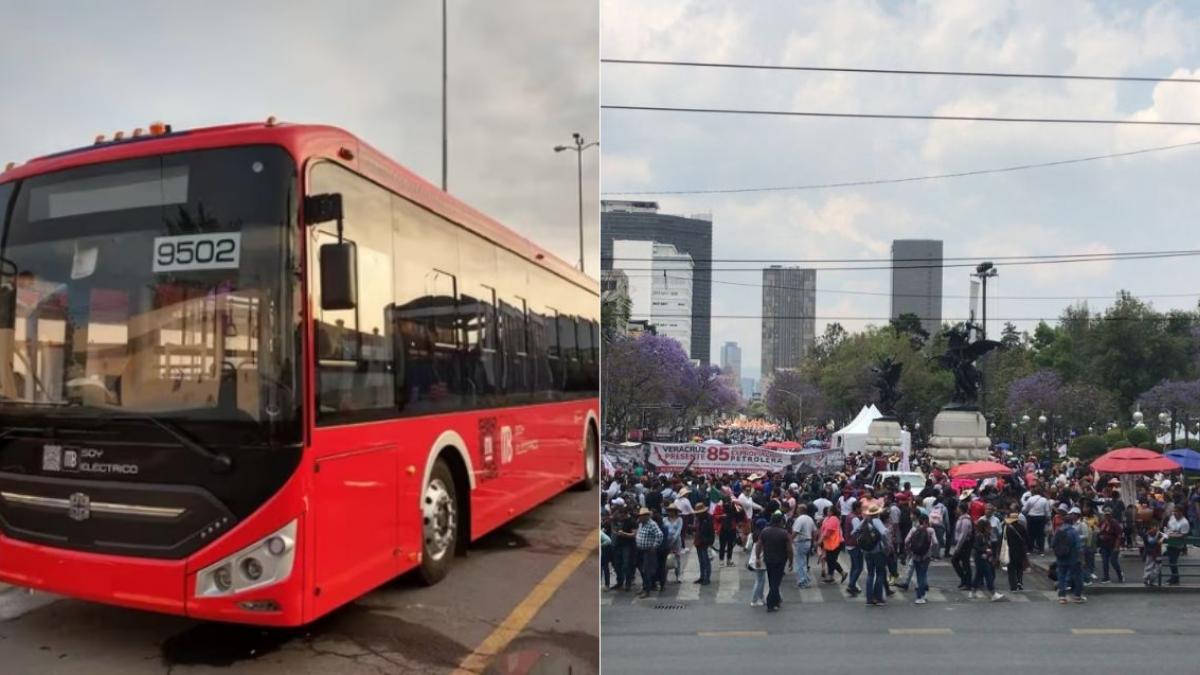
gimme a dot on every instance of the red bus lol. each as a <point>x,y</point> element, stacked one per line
<point>250,372</point>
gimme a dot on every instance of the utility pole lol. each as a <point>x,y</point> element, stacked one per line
<point>984,270</point>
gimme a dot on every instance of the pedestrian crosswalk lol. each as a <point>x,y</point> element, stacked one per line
<point>733,586</point>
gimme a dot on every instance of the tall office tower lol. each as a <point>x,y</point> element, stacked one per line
<point>731,364</point>
<point>789,307</point>
<point>671,294</point>
<point>917,281</point>
<point>641,221</point>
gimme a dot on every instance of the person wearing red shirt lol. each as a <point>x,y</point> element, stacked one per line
<point>977,508</point>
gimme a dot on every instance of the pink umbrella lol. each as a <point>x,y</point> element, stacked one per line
<point>1133,460</point>
<point>979,470</point>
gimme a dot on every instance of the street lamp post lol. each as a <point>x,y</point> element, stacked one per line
<point>1168,419</point>
<point>579,146</point>
<point>984,270</point>
<point>799,399</point>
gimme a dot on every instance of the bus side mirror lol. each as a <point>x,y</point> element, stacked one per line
<point>339,276</point>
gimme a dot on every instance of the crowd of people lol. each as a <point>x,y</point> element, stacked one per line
<point>841,529</point>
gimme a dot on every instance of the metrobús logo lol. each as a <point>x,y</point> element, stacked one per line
<point>69,459</point>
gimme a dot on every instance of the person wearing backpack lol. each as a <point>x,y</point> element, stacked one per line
<point>920,544</point>
<point>871,538</point>
<point>1068,553</point>
<point>937,520</point>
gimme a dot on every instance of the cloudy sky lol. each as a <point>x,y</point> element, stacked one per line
<point>1139,203</point>
<point>522,74</point>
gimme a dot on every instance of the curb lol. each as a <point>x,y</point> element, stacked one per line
<point>1103,589</point>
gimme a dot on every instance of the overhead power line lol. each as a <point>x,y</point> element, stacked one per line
<point>910,179</point>
<point>885,294</point>
<point>896,116</point>
<point>711,270</point>
<point>974,258</point>
<point>898,71</point>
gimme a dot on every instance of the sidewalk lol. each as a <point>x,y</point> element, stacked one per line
<point>1131,564</point>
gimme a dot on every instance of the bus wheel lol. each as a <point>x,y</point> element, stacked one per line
<point>591,464</point>
<point>439,518</point>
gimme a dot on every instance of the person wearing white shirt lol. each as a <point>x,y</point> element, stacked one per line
<point>1176,539</point>
<point>846,503</point>
<point>803,530</point>
<point>820,504</point>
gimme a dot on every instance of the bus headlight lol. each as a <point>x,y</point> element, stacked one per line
<point>265,562</point>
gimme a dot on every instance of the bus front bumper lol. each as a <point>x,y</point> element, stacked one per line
<point>166,586</point>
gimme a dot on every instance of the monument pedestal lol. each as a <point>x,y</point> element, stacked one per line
<point>884,435</point>
<point>959,436</point>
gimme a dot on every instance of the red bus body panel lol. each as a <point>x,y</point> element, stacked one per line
<point>356,493</point>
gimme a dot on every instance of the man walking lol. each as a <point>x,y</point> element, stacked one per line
<point>872,535</point>
<point>774,552</point>
<point>1109,540</point>
<point>802,536</point>
<point>1037,512</point>
<point>705,535</point>
<point>1176,539</point>
<point>649,538</point>
<point>1068,556</point>
<point>920,544</point>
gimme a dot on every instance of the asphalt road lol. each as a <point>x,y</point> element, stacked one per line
<point>822,630</point>
<point>401,627</point>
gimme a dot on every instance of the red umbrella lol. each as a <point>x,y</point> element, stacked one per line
<point>980,470</point>
<point>788,445</point>
<point>771,445</point>
<point>1133,460</point>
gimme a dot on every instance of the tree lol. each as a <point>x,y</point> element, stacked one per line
<point>701,390</point>
<point>1034,394</point>
<point>789,396</point>
<point>614,316</point>
<point>1009,337</point>
<point>1088,447</point>
<point>910,324</point>
<point>642,373</point>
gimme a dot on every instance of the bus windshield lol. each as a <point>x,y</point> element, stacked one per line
<point>155,286</point>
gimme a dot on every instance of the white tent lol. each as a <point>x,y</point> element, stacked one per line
<point>853,437</point>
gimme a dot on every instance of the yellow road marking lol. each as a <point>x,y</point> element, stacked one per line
<point>1102,631</point>
<point>732,633</point>
<point>476,662</point>
<point>920,631</point>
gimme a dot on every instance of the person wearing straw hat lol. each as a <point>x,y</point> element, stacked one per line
<point>871,537</point>
<point>649,537</point>
<point>1016,547</point>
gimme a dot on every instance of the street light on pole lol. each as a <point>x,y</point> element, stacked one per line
<point>579,146</point>
<point>799,399</point>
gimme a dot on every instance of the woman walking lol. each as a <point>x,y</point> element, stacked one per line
<point>759,569</point>
<point>830,543</point>
<point>1016,538</point>
<point>985,560</point>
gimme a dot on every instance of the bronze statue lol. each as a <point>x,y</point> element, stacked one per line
<point>960,358</point>
<point>887,376</point>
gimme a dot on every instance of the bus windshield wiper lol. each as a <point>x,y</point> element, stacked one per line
<point>221,462</point>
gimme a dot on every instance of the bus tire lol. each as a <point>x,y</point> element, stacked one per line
<point>440,522</point>
<point>591,463</point>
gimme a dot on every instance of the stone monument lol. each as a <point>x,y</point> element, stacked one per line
<point>884,432</point>
<point>960,430</point>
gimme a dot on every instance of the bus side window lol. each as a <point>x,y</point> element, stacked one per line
<point>354,347</point>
